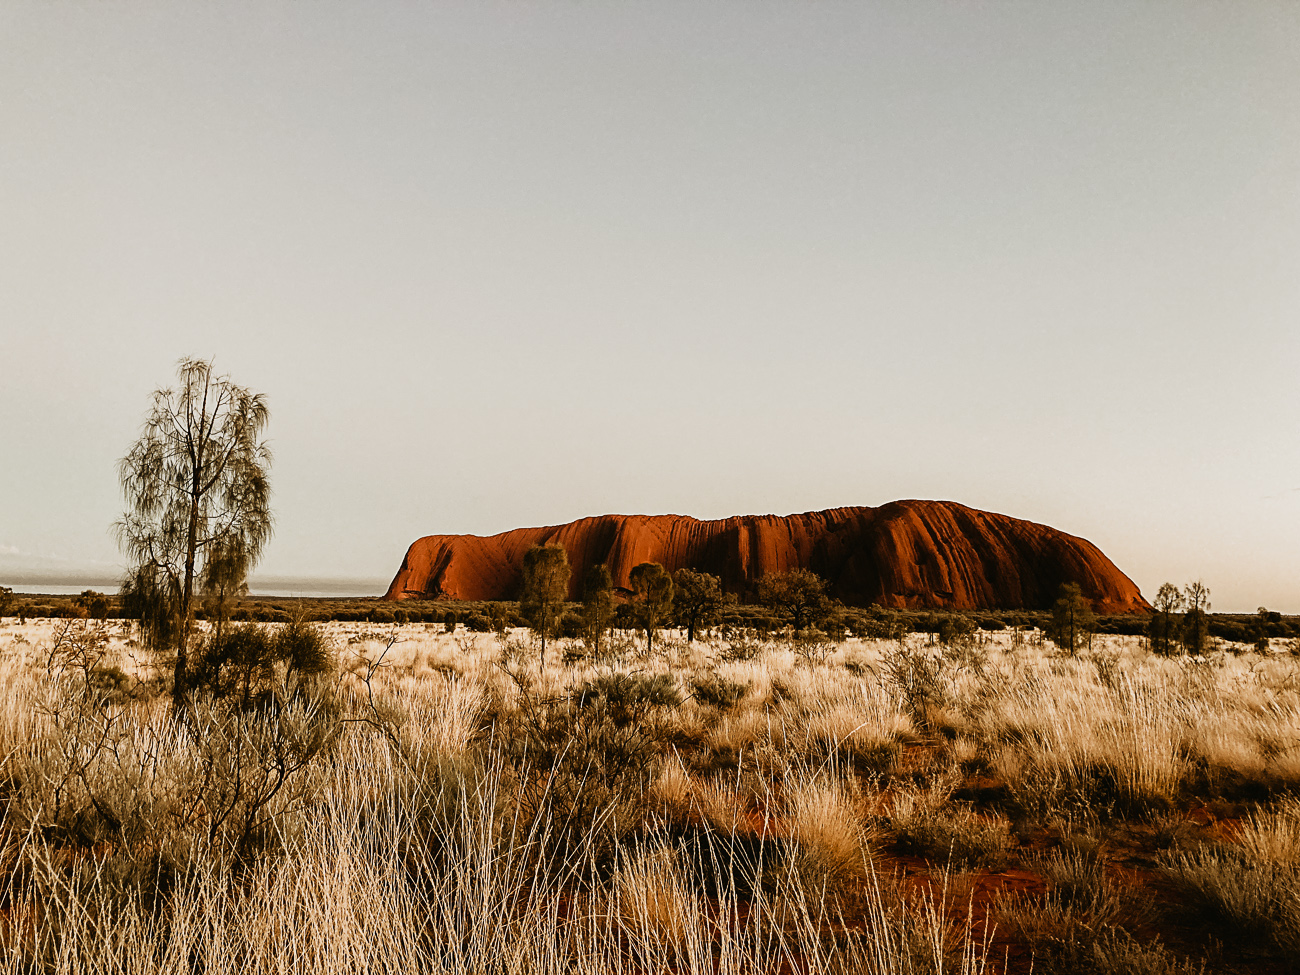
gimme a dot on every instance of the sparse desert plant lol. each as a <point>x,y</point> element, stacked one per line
<point>925,823</point>
<point>717,691</point>
<point>812,646</point>
<point>917,675</point>
<point>742,646</point>
<point>1242,895</point>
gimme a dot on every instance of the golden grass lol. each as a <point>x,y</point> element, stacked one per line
<point>408,845</point>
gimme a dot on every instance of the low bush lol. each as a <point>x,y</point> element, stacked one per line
<point>1239,892</point>
<point>717,691</point>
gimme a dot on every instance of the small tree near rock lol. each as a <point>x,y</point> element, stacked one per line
<point>545,588</point>
<point>1073,620</point>
<point>798,597</point>
<point>652,601</point>
<point>697,599</point>
<point>598,607</point>
<point>1162,628</point>
<point>1195,633</point>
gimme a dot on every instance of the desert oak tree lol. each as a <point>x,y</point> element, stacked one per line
<point>697,599</point>
<point>652,601</point>
<point>1072,621</point>
<point>797,596</point>
<point>545,588</point>
<point>598,606</point>
<point>198,512</point>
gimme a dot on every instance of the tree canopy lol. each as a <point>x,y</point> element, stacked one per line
<point>197,492</point>
<point>652,599</point>
<point>544,590</point>
<point>697,599</point>
<point>598,606</point>
<point>798,597</point>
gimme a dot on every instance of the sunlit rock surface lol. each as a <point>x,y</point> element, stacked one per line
<point>914,554</point>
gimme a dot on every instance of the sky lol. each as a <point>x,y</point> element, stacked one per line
<point>505,264</point>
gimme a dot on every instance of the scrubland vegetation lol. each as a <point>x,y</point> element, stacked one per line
<point>357,797</point>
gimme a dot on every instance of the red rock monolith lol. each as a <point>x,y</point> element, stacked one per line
<point>906,554</point>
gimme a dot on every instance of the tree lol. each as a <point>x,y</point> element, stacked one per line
<point>92,604</point>
<point>1162,629</point>
<point>798,597</point>
<point>198,512</point>
<point>697,599</point>
<point>545,588</point>
<point>6,600</point>
<point>652,599</point>
<point>1196,622</point>
<point>1262,628</point>
<point>597,605</point>
<point>1072,620</point>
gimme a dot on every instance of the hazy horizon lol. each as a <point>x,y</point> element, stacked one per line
<point>508,264</point>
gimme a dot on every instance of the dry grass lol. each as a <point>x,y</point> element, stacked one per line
<point>472,814</point>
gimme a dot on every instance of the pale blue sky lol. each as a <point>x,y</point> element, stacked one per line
<point>503,264</point>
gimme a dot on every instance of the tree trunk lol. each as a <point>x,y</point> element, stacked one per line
<point>180,676</point>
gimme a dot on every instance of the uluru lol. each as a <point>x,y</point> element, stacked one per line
<point>905,554</point>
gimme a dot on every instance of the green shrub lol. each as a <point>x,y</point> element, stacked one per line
<point>585,760</point>
<point>249,662</point>
<point>477,623</point>
<point>571,625</point>
<point>628,696</point>
<point>717,691</point>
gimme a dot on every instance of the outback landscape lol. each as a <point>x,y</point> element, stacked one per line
<point>362,796</point>
<point>754,489</point>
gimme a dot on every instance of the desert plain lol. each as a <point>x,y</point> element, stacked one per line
<point>746,802</point>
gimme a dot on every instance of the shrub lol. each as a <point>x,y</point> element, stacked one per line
<point>812,646</point>
<point>571,625</point>
<point>628,696</point>
<point>585,760</point>
<point>1245,896</point>
<point>917,675</point>
<point>743,645</point>
<point>250,662</point>
<point>478,623</point>
<point>925,824</point>
<point>717,691</point>
<point>956,630</point>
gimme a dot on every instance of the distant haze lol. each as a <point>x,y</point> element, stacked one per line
<point>508,264</point>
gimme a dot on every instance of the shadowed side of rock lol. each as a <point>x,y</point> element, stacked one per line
<point>906,554</point>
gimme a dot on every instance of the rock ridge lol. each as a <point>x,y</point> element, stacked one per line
<point>905,554</point>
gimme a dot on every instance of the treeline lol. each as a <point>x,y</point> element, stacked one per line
<point>484,616</point>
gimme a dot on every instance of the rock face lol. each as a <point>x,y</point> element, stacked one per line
<point>906,554</point>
